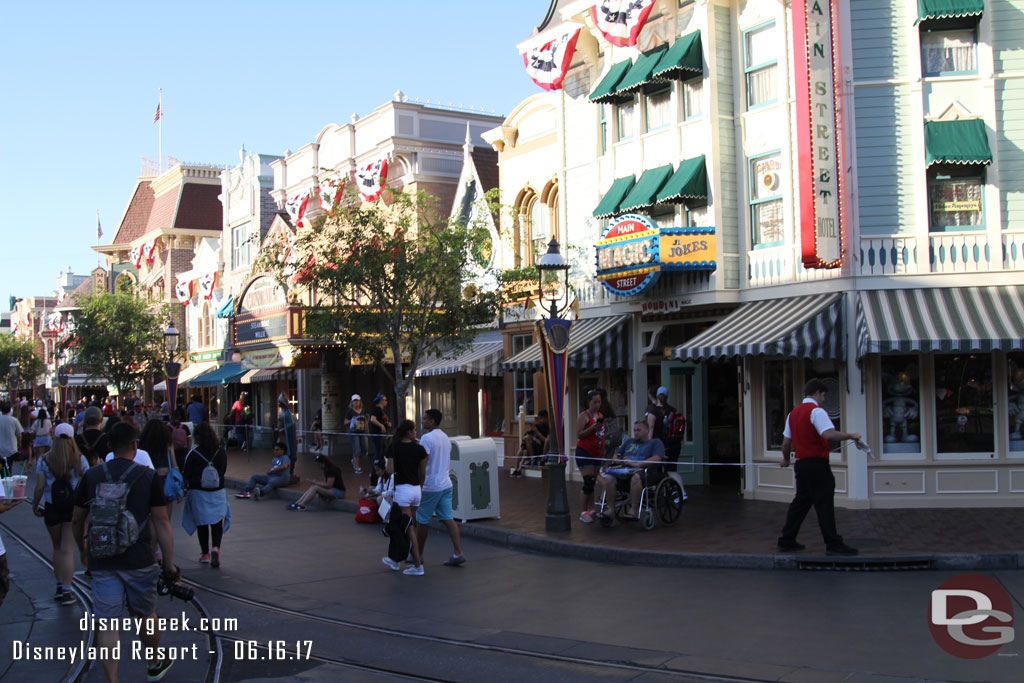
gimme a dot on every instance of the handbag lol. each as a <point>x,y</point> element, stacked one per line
<point>174,483</point>
<point>387,499</point>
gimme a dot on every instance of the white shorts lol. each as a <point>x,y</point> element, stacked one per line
<point>407,495</point>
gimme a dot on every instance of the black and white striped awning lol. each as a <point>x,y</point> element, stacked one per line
<point>594,344</point>
<point>482,358</point>
<point>794,327</point>
<point>944,320</point>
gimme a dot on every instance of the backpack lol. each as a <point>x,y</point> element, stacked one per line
<point>113,528</point>
<point>90,448</point>
<point>179,436</point>
<point>210,478</point>
<point>174,483</point>
<point>675,426</point>
<point>62,497</point>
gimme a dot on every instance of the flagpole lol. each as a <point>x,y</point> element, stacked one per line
<point>160,130</point>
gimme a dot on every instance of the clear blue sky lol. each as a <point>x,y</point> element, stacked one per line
<point>78,90</point>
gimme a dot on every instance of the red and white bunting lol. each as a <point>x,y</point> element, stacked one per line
<point>371,179</point>
<point>183,291</point>
<point>620,21</point>
<point>14,328</point>
<point>296,207</point>
<point>548,62</point>
<point>206,283</point>
<point>149,250</point>
<point>55,323</point>
<point>330,192</point>
<point>136,256</point>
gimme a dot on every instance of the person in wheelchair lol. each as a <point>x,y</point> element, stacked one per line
<point>637,466</point>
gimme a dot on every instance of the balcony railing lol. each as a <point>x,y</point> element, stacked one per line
<point>946,253</point>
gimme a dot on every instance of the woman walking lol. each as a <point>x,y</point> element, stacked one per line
<point>206,504</point>
<point>155,439</point>
<point>407,460</point>
<point>42,427</point>
<point>59,473</point>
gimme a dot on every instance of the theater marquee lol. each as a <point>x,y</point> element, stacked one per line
<point>821,183</point>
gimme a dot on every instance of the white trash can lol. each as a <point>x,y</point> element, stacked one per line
<point>474,472</point>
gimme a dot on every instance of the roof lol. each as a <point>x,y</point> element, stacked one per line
<point>200,208</point>
<point>191,206</point>
<point>136,216</point>
<point>486,161</point>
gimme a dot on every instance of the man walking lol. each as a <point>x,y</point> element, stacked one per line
<point>122,565</point>
<point>10,429</point>
<point>808,431</point>
<point>437,486</point>
<point>197,412</point>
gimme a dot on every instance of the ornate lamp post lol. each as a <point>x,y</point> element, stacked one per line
<point>553,332</point>
<point>171,369</point>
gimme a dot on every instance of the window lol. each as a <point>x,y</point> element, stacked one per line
<point>1015,398</point>
<point>240,246</point>
<point>659,109</point>
<point>602,122</point>
<point>901,405</point>
<point>778,401</point>
<point>766,211</point>
<point>693,102</point>
<point>955,197</point>
<point>522,386</point>
<point>828,372</point>
<point>540,230</point>
<point>206,327</point>
<point>760,62</point>
<point>664,215</point>
<point>945,52</point>
<point>626,113</point>
<point>963,403</point>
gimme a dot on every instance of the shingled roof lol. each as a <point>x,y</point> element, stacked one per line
<point>191,206</point>
<point>136,216</point>
<point>486,161</point>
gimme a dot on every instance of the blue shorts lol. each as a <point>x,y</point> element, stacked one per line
<point>42,440</point>
<point>585,459</point>
<point>338,493</point>
<point>435,501</point>
<point>110,589</point>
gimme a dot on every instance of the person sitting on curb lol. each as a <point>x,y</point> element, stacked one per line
<point>330,488</point>
<point>275,477</point>
<point>635,455</point>
<point>534,444</point>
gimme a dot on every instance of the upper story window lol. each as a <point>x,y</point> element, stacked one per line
<point>767,219</point>
<point>659,108</point>
<point>533,227</point>
<point>693,98</point>
<point>955,195</point>
<point>946,51</point>
<point>240,253</point>
<point>626,118</point>
<point>760,64</point>
<point>602,123</point>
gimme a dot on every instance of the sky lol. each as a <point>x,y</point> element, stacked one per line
<point>79,87</point>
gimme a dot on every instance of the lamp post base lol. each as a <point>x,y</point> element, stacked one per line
<point>557,518</point>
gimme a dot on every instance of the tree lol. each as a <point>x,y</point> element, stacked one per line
<point>117,336</point>
<point>395,281</point>
<point>23,353</point>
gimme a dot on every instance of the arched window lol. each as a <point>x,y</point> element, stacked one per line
<point>534,225</point>
<point>206,326</point>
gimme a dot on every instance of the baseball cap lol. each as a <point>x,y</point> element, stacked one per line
<point>355,397</point>
<point>378,397</point>
<point>65,430</point>
<point>662,391</point>
<point>93,414</point>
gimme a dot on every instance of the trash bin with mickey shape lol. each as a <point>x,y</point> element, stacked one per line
<point>474,473</point>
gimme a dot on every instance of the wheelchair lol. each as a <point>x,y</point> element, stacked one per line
<point>661,498</point>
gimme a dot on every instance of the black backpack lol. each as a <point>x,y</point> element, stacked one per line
<point>62,498</point>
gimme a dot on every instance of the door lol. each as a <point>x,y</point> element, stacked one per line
<point>688,393</point>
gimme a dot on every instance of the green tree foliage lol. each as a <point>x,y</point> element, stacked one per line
<point>23,353</point>
<point>117,336</point>
<point>395,280</point>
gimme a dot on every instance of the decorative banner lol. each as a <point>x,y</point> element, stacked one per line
<point>206,283</point>
<point>296,207</point>
<point>183,291</point>
<point>620,21</point>
<point>553,336</point>
<point>55,323</point>
<point>149,250</point>
<point>548,63</point>
<point>819,127</point>
<point>136,256</point>
<point>370,180</point>
<point>171,372</point>
<point>329,191</point>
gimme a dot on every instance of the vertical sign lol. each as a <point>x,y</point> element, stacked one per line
<point>819,133</point>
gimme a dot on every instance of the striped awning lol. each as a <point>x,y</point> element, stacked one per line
<point>482,358</point>
<point>946,320</point>
<point>794,327</point>
<point>594,344</point>
<point>267,375</point>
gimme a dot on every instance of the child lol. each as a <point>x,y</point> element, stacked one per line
<point>380,481</point>
<point>276,476</point>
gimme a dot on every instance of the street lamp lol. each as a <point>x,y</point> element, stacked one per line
<point>553,278</point>
<point>171,335</point>
<point>171,369</point>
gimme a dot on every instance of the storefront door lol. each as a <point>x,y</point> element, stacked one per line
<point>688,393</point>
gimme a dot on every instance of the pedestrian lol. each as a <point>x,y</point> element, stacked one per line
<point>407,460</point>
<point>589,450</point>
<point>317,429</point>
<point>289,432</point>
<point>331,487</point>
<point>356,418</point>
<point>380,425</point>
<point>197,412</point>
<point>93,442</point>
<point>155,439</point>
<point>10,431</point>
<point>123,570</point>
<point>43,428</point>
<point>181,435</point>
<point>807,434</point>
<point>59,472</point>
<point>437,486</point>
<point>207,512</point>
<point>655,414</point>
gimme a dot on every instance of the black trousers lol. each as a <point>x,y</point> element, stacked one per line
<point>815,486</point>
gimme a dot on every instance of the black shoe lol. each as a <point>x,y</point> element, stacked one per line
<point>790,547</point>
<point>842,549</point>
<point>158,671</point>
<point>60,592</point>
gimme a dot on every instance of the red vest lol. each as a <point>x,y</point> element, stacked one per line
<point>807,443</point>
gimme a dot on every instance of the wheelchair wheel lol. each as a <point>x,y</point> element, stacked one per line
<point>668,500</point>
<point>647,519</point>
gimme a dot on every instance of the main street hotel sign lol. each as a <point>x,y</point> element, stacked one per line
<point>819,127</point>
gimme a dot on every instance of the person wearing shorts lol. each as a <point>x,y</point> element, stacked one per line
<point>407,460</point>
<point>437,485</point>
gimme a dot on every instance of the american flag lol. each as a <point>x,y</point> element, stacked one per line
<point>156,116</point>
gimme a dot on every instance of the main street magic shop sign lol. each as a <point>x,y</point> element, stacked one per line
<point>633,252</point>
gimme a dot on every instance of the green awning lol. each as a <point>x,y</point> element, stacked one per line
<point>605,91</point>
<point>609,205</point>
<point>690,181</point>
<point>225,374</point>
<point>646,189</point>
<point>639,74</point>
<point>956,142</point>
<point>683,60</point>
<point>947,9</point>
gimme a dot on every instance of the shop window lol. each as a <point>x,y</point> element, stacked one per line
<point>955,197</point>
<point>626,113</point>
<point>494,406</point>
<point>693,98</point>
<point>947,49</point>
<point>963,403</point>
<point>778,401</point>
<point>901,405</point>
<point>522,380</point>
<point>760,64</point>
<point>767,220</point>
<point>1015,399</point>
<point>828,372</point>
<point>659,108</point>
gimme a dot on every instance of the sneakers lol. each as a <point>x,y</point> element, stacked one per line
<point>516,474</point>
<point>587,516</point>
<point>60,592</point>
<point>204,558</point>
<point>356,467</point>
<point>414,571</point>
<point>158,670</point>
<point>841,549</point>
<point>243,494</point>
<point>391,563</point>
<point>215,558</point>
<point>68,598</point>
<point>789,547</point>
<point>257,493</point>
<point>296,506</point>
<point>455,561</point>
